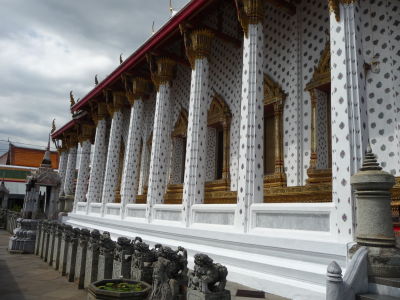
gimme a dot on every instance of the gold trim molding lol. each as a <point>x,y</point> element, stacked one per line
<point>249,12</point>
<point>180,128</point>
<point>197,43</point>
<point>274,95</point>
<point>161,69</point>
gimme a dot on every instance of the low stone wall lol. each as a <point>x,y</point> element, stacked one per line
<point>84,257</point>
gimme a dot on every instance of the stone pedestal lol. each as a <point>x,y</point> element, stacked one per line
<point>65,239</point>
<point>122,258</point>
<point>106,257</point>
<point>24,237</point>
<point>80,264</point>
<point>374,220</point>
<point>92,258</point>
<point>57,246</point>
<point>71,255</point>
<point>197,295</point>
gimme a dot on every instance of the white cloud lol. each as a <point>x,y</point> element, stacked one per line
<point>48,48</point>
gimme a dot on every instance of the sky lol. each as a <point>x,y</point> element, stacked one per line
<point>49,47</point>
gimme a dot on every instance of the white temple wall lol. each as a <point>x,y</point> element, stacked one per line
<point>280,63</point>
<point>225,80</point>
<point>381,39</point>
<point>313,23</point>
<point>293,47</point>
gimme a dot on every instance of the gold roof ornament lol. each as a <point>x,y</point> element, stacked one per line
<point>71,98</point>
<point>53,126</point>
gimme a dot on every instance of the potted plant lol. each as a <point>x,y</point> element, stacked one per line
<point>110,289</point>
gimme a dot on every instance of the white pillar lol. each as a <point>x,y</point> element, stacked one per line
<point>62,168</point>
<point>159,157</point>
<point>196,155</point>
<point>70,172</point>
<point>83,172</point>
<point>99,157</point>
<point>144,167</point>
<point>114,148</point>
<point>349,112</point>
<point>250,174</point>
<point>130,174</point>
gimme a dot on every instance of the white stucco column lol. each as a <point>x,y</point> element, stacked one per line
<point>144,167</point>
<point>159,158</point>
<point>70,171</point>
<point>349,112</point>
<point>251,171</point>
<point>62,168</point>
<point>84,162</point>
<point>99,156</point>
<point>114,148</point>
<point>198,46</point>
<point>131,171</point>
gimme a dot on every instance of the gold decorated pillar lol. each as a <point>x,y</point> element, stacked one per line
<point>251,173</point>
<point>162,73</point>
<point>84,137</point>
<point>198,47</point>
<point>110,185</point>
<point>131,166</point>
<point>96,178</point>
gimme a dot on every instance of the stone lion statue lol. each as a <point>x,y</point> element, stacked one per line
<point>207,276</point>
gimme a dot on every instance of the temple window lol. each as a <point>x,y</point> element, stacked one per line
<point>218,134</point>
<point>319,87</point>
<point>174,191</point>
<point>274,98</point>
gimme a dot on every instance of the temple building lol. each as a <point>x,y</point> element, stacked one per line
<point>234,131</point>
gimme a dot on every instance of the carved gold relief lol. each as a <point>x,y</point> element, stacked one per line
<point>85,132</point>
<point>161,69</point>
<point>140,88</point>
<point>180,128</point>
<point>299,194</point>
<point>197,43</point>
<point>334,8</point>
<point>322,73</point>
<point>249,12</point>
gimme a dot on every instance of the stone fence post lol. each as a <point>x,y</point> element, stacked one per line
<point>38,235</point>
<point>57,246</point>
<point>122,258</point>
<point>65,240</point>
<point>71,256</point>
<point>80,265</point>
<point>92,258</point>
<point>106,257</point>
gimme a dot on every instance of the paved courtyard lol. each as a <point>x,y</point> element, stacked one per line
<point>27,277</point>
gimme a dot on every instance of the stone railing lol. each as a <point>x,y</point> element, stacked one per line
<point>85,257</point>
<point>8,219</point>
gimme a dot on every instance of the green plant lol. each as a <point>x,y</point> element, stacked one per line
<point>122,287</point>
<point>16,208</point>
